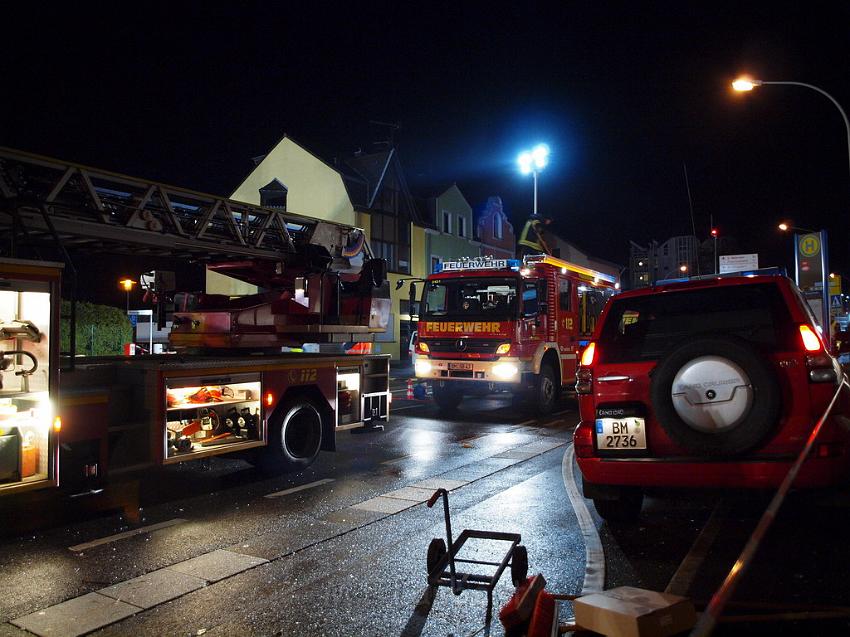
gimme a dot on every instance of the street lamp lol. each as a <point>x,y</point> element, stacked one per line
<point>785,227</point>
<point>533,161</point>
<point>683,268</point>
<point>714,234</point>
<point>744,84</point>
<point>127,285</point>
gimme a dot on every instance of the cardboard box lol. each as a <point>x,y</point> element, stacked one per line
<point>634,612</point>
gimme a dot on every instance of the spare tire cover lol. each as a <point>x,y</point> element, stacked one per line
<point>716,395</point>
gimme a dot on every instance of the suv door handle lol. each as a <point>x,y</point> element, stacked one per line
<point>611,379</point>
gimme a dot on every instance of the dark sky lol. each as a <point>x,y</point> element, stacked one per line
<point>187,93</point>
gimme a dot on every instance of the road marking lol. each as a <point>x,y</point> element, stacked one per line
<point>120,536</point>
<point>685,574</point>
<point>594,561</point>
<point>407,407</point>
<point>303,487</point>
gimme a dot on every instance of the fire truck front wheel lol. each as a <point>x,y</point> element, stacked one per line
<point>447,396</point>
<point>545,390</point>
<point>295,437</point>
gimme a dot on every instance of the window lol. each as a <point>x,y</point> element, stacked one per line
<point>645,328</point>
<point>447,222</point>
<point>497,226</point>
<point>467,299</point>
<point>384,250</point>
<point>565,300</point>
<point>273,195</point>
<point>529,298</point>
<point>461,226</point>
<point>435,261</point>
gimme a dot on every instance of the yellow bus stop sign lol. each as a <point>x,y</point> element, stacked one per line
<point>809,245</point>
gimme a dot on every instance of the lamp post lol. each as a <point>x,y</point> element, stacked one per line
<point>127,285</point>
<point>714,234</point>
<point>533,161</point>
<point>745,84</point>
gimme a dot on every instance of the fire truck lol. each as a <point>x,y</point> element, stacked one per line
<point>270,377</point>
<point>490,325</point>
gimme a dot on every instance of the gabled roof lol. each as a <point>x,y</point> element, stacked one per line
<point>364,176</point>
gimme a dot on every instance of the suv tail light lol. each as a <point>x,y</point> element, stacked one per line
<point>583,441</point>
<point>588,354</point>
<point>811,341</point>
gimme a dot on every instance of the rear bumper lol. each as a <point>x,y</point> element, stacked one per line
<point>749,474</point>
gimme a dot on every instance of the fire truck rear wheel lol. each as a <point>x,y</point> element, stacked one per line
<point>447,396</point>
<point>545,390</point>
<point>295,438</point>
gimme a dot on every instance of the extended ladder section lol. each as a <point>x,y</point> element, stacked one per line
<point>592,276</point>
<point>47,200</point>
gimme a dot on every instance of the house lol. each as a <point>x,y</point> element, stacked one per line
<point>292,178</point>
<point>494,231</point>
<point>378,190</point>
<point>450,232</point>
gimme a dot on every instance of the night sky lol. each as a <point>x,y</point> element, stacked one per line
<point>187,93</point>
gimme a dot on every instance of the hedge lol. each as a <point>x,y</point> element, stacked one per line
<point>102,330</point>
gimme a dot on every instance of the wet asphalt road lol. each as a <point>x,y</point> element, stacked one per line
<point>337,570</point>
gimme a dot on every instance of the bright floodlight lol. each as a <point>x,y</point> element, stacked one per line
<point>744,84</point>
<point>783,227</point>
<point>540,155</point>
<point>525,161</point>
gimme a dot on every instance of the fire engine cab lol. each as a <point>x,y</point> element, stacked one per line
<point>489,325</point>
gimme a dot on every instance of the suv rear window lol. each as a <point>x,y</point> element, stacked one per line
<point>647,327</point>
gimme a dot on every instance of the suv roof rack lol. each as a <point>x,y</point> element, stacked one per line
<point>772,271</point>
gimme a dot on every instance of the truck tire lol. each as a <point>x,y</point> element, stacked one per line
<point>295,437</point>
<point>716,396</point>
<point>545,390</point>
<point>447,396</point>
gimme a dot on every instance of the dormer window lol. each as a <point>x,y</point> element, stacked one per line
<point>273,195</point>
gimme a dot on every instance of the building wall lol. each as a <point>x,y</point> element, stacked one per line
<point>396,340</point>
<point>315,189</point>
<point>445,244</point>
<point>489,218</point>
<point>567,251</point>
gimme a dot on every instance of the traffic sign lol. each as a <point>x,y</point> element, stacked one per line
<point>810,245</point>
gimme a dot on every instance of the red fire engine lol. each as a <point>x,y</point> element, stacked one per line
<point>104,419</point>
<point>503,324</point>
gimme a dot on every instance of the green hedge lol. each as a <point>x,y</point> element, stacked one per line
<point>102,330</point>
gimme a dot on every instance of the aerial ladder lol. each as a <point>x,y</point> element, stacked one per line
<point>317,280</point>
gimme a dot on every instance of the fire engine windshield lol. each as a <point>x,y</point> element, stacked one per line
<point>485,299</point>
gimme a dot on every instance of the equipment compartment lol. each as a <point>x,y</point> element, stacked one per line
<point>27,427</point>
<point>207,416</point>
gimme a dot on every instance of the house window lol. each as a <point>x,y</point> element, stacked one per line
<point>435,261</point>
<point>273,195</point>
<point>497,226</point>
<point>447,222</point>
<point>461,226</point>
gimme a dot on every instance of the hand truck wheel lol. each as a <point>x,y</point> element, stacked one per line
<point>436,552</point>
<point>519,565</point>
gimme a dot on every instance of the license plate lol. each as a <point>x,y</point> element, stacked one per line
<point>620,433</point>
<point>461,366</point>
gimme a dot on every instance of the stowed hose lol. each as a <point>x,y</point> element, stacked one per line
<point>5,364</point>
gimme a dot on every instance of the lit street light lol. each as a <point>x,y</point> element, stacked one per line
<point>714,234</point>
<point>533,161</point>
<point>785,227</point>
<point>683,268</point>
<point>745,84</point>
<point>127,285</point>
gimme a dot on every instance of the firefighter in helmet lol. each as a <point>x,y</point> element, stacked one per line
<point>531,240</point>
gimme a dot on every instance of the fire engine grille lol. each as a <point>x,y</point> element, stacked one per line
<point>464,345</point>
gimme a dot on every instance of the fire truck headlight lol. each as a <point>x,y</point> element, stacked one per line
<point>504,348</point>
<point>505,370</point>
<point>422,367</point>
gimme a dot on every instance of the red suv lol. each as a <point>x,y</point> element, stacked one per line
<point>710,382</point>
